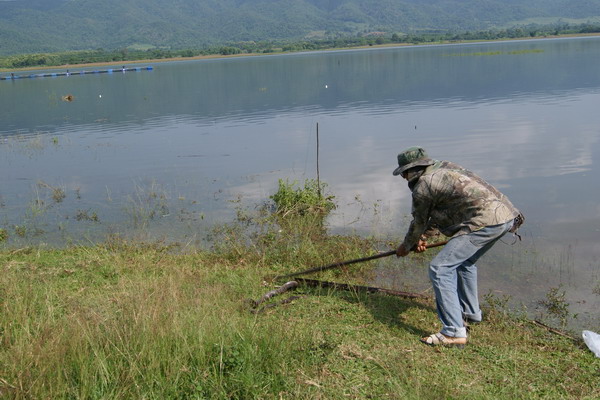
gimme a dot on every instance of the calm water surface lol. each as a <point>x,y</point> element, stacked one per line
<point>162,153</point>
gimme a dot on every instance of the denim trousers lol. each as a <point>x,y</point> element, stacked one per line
<point>453,275</point>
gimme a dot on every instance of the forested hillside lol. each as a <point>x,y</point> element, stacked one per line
<point>28,26</point>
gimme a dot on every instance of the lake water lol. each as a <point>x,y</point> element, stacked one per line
<point>170,152</point>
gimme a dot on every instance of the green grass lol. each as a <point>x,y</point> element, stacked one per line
<point>122,320</point>
<point>310,199</point>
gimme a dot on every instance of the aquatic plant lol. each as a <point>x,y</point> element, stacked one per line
<point>147,203</point>
<point>35,143</point>
<point>527,51</point>
<point>557,306</point>
<point>86,215</point>
<point>20,230</point>
<point>498,53</point>
<point>58,193</point>
<point>302,200</point>
<point>290,236</point>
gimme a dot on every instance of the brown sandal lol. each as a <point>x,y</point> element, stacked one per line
<point>439,339</point>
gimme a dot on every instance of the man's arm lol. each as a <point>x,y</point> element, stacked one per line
<point>421,209</point>
<point>420,223</point>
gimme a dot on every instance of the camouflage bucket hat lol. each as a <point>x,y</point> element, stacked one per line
<point>412,157</point>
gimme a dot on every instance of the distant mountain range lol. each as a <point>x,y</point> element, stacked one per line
<point>33,26</point>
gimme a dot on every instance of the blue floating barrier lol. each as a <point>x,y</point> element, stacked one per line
<point>69,73</point>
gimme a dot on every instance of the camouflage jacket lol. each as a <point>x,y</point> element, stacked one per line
<point>455,201</point>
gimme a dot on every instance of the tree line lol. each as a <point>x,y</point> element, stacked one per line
<point>366,39</point>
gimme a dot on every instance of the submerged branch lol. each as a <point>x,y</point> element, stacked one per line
<point>553,330</point>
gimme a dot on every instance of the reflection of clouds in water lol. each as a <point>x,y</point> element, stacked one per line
<point>560,150</point>
<point>366,202</point>
<point>522,140</point>
<point>580,164</point>
<point>369,187</point>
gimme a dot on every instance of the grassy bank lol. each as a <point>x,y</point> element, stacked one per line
<point>134,321</point>
<point>125,320</point>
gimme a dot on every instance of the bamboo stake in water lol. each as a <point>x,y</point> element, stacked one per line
<point>318,174</point>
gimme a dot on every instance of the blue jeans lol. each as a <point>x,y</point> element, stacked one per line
<point>453,275</point>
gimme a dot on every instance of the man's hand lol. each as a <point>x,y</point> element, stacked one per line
<point>420,247</point>
<point>402,251</point>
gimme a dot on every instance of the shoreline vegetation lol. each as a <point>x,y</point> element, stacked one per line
<point>127,319</point>
<point>123,320</point>
<point>101,57</point>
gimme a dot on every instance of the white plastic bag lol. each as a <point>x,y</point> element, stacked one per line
<point>592,339</point>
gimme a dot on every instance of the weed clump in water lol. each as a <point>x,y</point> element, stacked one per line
<point>290,233</point>
<point>301,201</point>
<point>557,306</point>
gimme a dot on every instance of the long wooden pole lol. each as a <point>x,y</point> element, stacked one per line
<point>359,288</point>
<point>357,260</point>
